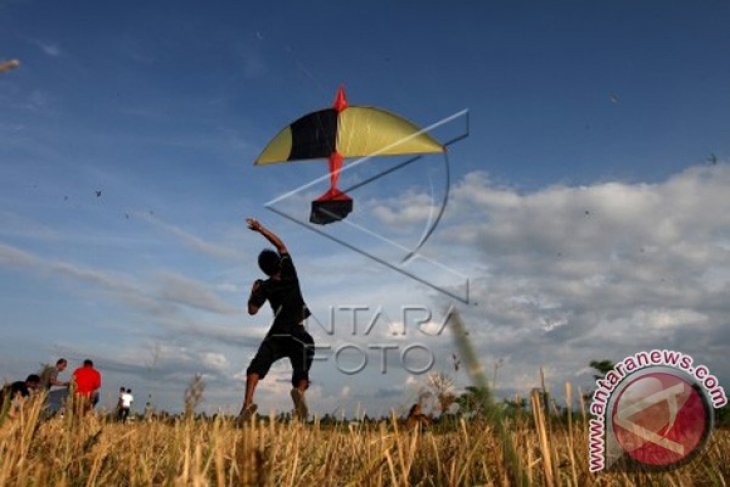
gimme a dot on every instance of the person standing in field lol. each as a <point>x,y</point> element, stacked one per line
<point>287,336</point>
<point>49,378</point>
<point>87,382</point>
<point>416,420</point>
<point>49,374</point>
<point>122,390</point>
<point>126,404</point>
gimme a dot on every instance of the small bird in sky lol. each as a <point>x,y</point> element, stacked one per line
<point>98,194</point>
<point>712,159</point>
<point>614,98</point>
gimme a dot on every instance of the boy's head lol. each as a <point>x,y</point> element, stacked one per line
<point>33,381</point>
<point>61,364</point>
<point>269,262</point>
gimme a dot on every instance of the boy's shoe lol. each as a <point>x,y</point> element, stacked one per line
<point>300,404</point>
<point>246,414</point>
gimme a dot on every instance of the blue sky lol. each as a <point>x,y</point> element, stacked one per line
<point>610,108</point>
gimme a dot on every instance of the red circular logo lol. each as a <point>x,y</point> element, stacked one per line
<point>660,419</point>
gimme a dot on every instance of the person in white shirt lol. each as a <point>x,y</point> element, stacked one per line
<point>126,403</point>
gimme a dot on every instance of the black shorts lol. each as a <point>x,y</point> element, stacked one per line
<point>298,347</point>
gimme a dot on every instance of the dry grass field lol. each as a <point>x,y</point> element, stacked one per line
<point>69,451</point>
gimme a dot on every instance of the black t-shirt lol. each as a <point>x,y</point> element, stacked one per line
<point>285,298</point>
<point>10,391</point>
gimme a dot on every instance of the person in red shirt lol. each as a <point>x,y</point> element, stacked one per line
<point>88,382</point>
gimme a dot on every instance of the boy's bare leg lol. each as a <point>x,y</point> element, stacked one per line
<point>300,403</point>
<point>251,381</point>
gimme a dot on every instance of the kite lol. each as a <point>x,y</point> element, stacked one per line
<point>345,131</point>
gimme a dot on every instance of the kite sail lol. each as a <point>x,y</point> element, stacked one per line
<point>338,133</point>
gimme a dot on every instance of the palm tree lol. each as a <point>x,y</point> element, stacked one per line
<point>602,366</point>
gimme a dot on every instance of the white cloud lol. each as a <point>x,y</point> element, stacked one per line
<point>564,275</point>
<point>229,287</point>
<point>52,50</point>
<point>16,225</point>
<point>552,286</point>
<point>174,289</point>
<point>189,292</point>
<point>121,286</point>
<point>214,360</point>
<point>192,241</point>
<point>412,208</point>
<point>13,257</point>
<point>49,48</point>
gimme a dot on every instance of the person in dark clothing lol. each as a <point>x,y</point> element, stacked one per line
<point>416,420</point>
<point>287,336</point>
<point>23,387</point>
<point>14,395</point>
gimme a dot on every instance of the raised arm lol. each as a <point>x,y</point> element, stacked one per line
<point>254,225</point>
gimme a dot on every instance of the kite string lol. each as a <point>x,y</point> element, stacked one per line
<point>334,175</point>
<point>303,69</point>
<point>307,73</point>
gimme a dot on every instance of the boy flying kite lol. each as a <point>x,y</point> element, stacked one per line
<point>287,336</point>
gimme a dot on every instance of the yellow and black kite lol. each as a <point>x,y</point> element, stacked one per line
<point>340,132</point>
